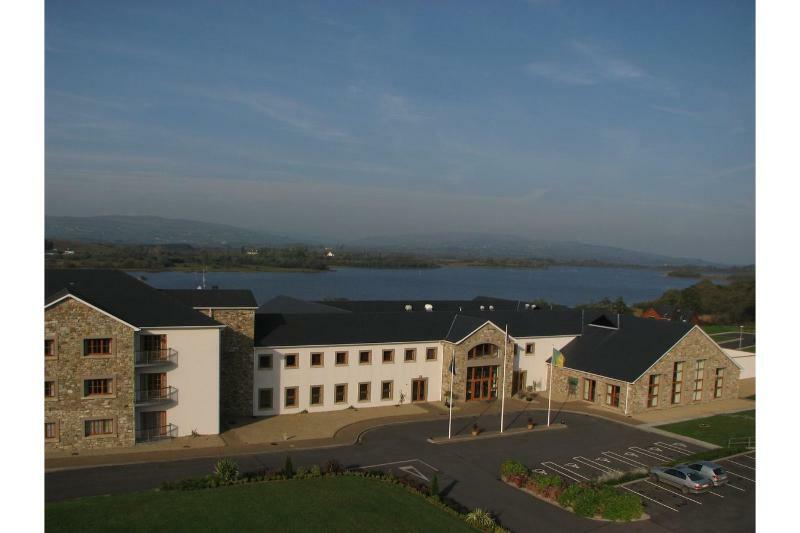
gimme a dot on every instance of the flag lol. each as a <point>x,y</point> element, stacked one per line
<point>558,358</point>
<point>453,365</point>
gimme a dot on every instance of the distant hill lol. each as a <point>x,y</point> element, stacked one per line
<point>155,230</point>
<point>467,245</point>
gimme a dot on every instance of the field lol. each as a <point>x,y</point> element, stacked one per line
<point>717,429</point>
<point>326,504</point>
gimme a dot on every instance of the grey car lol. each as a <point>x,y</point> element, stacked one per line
<point>683,478</point>
<point>712,471</point>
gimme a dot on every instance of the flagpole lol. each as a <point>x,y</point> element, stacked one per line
<point>503,396</point>
<point>452,369</point>
<point>550,392</point>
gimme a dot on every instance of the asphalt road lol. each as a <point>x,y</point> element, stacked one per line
<point>468,471</point>
<point>731,340</point>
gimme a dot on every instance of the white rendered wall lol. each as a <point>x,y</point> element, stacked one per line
<point>401,372</point>
<point>745,360</point>
<point>196,377</point>
<point>535,364</point>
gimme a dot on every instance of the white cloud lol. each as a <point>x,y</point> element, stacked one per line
<point>589,65</point>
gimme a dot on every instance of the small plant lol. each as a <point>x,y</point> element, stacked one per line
<point>531,423</point>
<point>195,433</point>
<point>315,471</point>
<point>331,466</point>
<point>435,486</point>
<point>511,467</point>
<point>480,519</point>
<point>475,430</point>
<point>226,470</point>
<point>288,469</point>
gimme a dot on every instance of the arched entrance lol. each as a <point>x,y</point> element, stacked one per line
<point>482,379</point>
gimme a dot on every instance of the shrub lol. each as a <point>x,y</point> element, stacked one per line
<point>288,469</point>
<point>616,477</point>
<point>226,470</point>
<point>315,471</point>
<point>435,486</point>
<point>480,519</point>
<point>331,466</point>
<point>511,467</point>
<point>544,481</point>
<point>609,502</point>
<point>622,507</point>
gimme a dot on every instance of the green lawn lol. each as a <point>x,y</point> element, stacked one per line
<point>717,429</point>
<point>719,328</point>
<point>340,503</point>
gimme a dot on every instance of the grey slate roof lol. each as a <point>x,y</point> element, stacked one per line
<point>122,296</point>
<point>215,298</point>
<point>396,306</point>
<point>623,353</point>
<point>292,306</point>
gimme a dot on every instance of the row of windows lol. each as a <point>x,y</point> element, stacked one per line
<point>97,427</point>
<point>91,387</point>
<point>316,394</point>
<point>317,359</point>
<point>698,379</point>
<point>90,347</point>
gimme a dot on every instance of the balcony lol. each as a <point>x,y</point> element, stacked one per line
<point>158,433</point>
<point>166,356</point>
<point>156,396</point>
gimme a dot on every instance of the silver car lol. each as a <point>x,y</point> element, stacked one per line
<point>712,471</point>
<point>683,478</point>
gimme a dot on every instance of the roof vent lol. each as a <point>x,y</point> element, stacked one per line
<point>533,306</point>
<point>428,307</point>
<point>482,308</point>
<point>491,308</point>
<point>408,307</point>
<point>527,306</point>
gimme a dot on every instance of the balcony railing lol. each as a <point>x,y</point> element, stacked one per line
<point>150,396</point>
<point>156,357</point>
<point>157,433</point>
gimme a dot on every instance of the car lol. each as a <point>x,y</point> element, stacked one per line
<point>712,471</point>
<point>685,479</point>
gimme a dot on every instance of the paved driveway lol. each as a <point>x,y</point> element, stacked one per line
<point>468,471</point>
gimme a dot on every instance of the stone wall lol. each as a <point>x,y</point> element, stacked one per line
<point>236,366</point>
<point>68,323</point>
<point>693,347</point>
<point>486,334</point>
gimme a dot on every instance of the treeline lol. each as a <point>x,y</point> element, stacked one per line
<point>187,257</point>
<point>729,303</point>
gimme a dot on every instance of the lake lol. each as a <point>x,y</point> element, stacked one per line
<point>563,285</point>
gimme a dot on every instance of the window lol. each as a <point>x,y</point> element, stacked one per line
<point>341,358</point>
<point>718,380</point>
<point>483,350</point>
<point>316,395</point>
<point>364,392</point>
<point>340,393</point>
<point>49,348</point>
<point>388,356</point>
<point>96,346</point>
<point>265,398</point>
<point>50,431</point>
<point>589,386</point>
<point>652,390</point>
<point>387,390</point>
<point>100,426</point>
<point>98,387</point>
<point>364,357</point>
<point>677,381</point>
<point>530,348</point>
<point>612,395</point>
<point>317,359</point>
<point>410,354</point>
<point>431,353</point>
<point>290,360</point>
<point>265,361</point>
<point>699,371</point>
<point>290,397</point>
<point>49,389</point>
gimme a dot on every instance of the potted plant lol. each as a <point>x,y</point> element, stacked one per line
<point>475,430</point>
<point>531,423</point>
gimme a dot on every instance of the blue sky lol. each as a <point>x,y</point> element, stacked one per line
<point>627,123</point>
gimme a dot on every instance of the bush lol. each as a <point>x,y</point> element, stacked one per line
<point>435,486</point>
<point>623,507</point>
<point>288,469</point>
<point>331,466</point>
<point>606,501</point>
<point>480,519</point>
<point>511,467</point>
<point>544,481</point>
<point>226,470</point>
<point>617,477</point>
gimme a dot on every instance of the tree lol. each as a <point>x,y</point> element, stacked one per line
<point>288,469</point>
<point>435,486</point>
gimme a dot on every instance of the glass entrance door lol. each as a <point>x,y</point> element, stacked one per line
<point>481,382</point>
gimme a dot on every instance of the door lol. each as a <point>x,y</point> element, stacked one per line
<point>418,390</point>
<point>589,389</point>
<point>154,422</point>
<point>481,382</point>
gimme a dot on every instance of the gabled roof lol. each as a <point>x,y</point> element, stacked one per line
<point>623,353</point>
<point>215,298</point>
<point>292,306</point>
<point>123,297</point>
<point>453,306</point>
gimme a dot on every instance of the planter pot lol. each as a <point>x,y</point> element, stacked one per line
<point>531,426</point>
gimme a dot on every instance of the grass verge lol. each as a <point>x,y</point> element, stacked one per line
<point>717,429</point>
<point>337,503</point>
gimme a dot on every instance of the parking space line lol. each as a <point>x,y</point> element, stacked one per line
<point>672,448</point>
<point>399,462</point>
<point>563,471</point>
<point>651,499</point>
<point>672,492</point>
<point>740,464</point>
<point>654,455</point>
<point>715,494</point>
<point>735,487</point>
<point>588,462</point>
<point>741,476</point>
<point>621,459</point>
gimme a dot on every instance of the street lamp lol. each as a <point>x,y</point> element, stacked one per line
<point>741,329</point>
